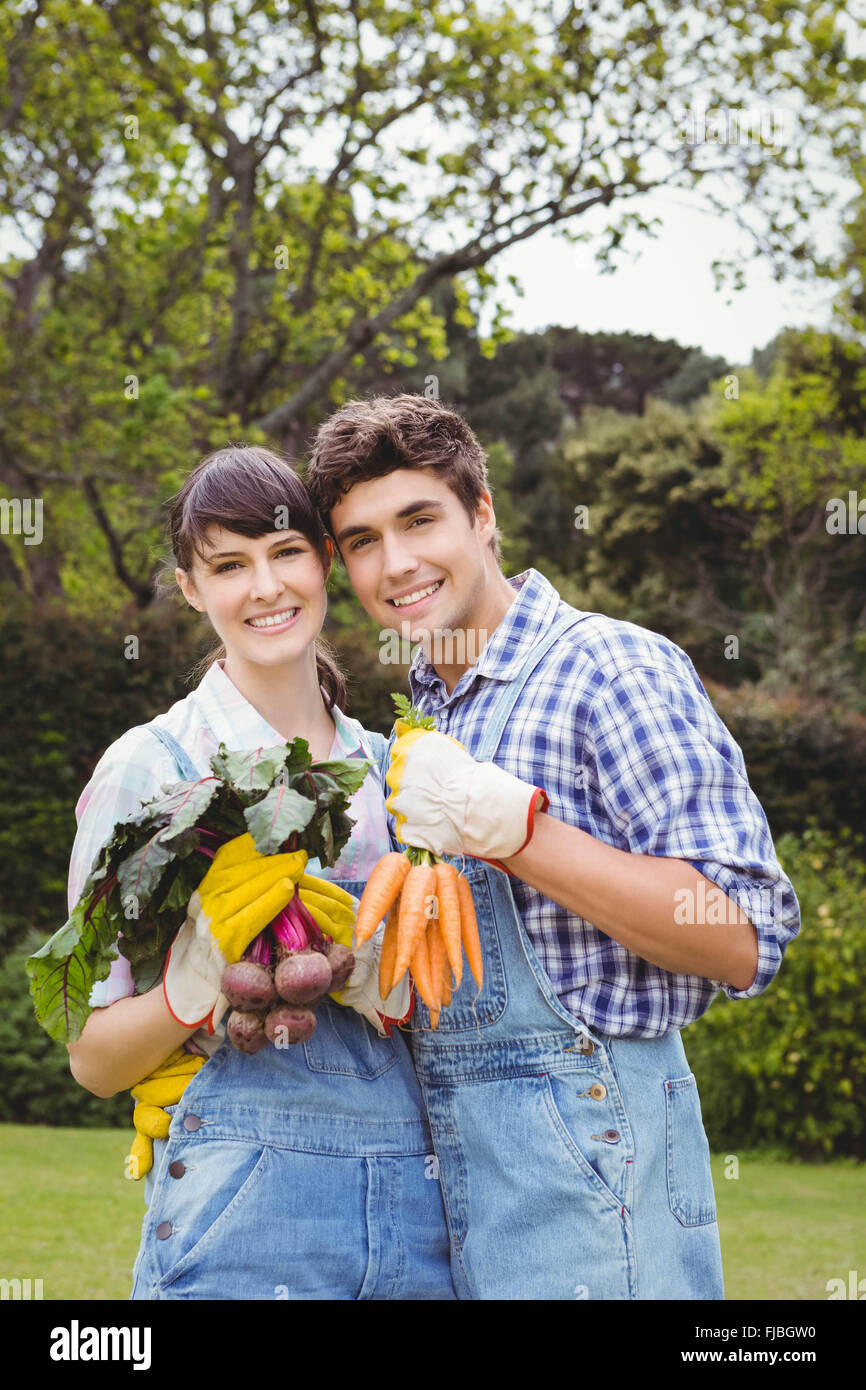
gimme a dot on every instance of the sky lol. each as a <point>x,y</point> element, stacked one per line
<point>665,288</point>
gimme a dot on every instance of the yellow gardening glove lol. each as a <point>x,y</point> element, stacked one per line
<point>330,906</point>
<point>239,895</point>
<point>165,1086</point>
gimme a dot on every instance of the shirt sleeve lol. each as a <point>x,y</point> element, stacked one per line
<point>672,781</point>
<point>130,771</point>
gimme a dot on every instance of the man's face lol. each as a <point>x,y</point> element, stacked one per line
<point>412,553</point>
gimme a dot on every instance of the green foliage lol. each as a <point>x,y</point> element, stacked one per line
<point>38,1087</point>
<point>788,1069</point>
<point>805,758</point>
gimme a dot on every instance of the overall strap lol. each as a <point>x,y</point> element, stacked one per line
<point>503,706</point>
<point>188,771</point>
<point>376,748</point>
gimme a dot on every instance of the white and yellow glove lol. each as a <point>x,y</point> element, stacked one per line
<point>445,801</point>
<point>239,895</point>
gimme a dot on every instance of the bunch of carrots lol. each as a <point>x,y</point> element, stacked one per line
<point>430,915</point>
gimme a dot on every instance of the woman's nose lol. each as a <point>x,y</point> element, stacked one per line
<point>266,583</point>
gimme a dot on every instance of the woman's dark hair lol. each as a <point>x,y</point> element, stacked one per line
<point>251,491</point>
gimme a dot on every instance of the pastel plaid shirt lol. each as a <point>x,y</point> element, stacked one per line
<point>136,766</point>
<point>618,729</point>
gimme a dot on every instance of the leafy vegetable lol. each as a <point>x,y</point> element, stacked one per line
<point>136,895</point>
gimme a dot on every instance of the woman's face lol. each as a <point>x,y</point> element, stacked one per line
<point>243,581</point>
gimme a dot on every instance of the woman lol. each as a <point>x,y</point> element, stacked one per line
<point>299,1172</point>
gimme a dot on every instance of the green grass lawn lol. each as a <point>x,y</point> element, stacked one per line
<point>74,1219</point>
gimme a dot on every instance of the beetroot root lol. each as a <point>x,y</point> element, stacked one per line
<point>303,976</point>
<point>342,963</point>
<point>247,1030</point>
<point>248,986</point>
<point>286,1024</point>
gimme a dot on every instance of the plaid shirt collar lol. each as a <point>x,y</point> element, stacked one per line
<point>237,724</point>
<point>525,621</point>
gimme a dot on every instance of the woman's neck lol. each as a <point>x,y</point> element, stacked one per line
<point>288,697</point>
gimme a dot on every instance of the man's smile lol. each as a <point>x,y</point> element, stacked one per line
<point>410,598</point>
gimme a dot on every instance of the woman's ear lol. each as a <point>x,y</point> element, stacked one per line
<point>187,588</point>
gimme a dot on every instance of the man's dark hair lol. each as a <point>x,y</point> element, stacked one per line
<point>368,439</point>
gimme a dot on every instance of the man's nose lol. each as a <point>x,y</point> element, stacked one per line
<point>397,556</point>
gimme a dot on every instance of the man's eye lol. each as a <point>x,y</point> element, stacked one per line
<point>422,519</point>
<point>363,541</point>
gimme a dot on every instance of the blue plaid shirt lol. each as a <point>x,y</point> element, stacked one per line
<point>617,728</point>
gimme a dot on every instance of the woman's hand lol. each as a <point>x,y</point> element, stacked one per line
<point>239,895</point>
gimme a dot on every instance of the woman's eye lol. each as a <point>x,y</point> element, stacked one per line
<point>286,550</point>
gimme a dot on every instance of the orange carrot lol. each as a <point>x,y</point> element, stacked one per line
<point>421,971</point>
<point>383,887</point>
<point>469,930</point>
<point>440,970</point>
<point>388,957</point>
<point>418,885</point>
<point>449,917</point>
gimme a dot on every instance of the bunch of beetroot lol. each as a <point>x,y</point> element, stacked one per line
<point>284,974</point>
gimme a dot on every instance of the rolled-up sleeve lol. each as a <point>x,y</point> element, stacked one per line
<point>671,781</point>
<point>130,771</point>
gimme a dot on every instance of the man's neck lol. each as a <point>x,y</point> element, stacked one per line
<point>453,654</point>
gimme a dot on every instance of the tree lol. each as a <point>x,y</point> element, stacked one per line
<point>193,267</point>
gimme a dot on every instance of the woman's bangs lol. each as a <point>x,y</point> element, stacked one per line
<point>251,493</point>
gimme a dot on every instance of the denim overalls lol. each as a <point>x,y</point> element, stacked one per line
<point>573,1164</point>
<point>304,1172</point>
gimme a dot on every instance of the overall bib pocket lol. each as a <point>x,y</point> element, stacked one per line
<point>345,1044</point>
<point>469,1009</point>
<point>690,1180</point>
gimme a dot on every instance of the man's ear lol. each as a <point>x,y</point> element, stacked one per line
<point>485,517</point>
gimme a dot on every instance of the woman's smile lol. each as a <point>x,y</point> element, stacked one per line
<point>274,622</point>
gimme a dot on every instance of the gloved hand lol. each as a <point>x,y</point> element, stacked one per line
<point>165,1086</point>
<point>239,895</point>
<point>362,991</point>
<point>331,907</point>
<point>449,803</point>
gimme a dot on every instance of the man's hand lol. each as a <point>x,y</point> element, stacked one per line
<point>449,803</point>
<point>239,895</point>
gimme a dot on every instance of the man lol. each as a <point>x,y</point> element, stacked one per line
<point>602,814</point>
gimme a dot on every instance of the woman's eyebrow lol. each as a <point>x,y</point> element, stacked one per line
<point>427,504</point>
<point>230,554</point>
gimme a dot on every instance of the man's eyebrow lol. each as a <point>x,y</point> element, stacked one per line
<point>230,554</point>
<point>426,504</point>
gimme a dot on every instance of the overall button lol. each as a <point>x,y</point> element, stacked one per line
<point>610,1136</point>
<point>177,1169</point>
<point>586,1046</point>
<point>597,1091</point>
<point>191,1123</point>
<point>164,1230</point>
